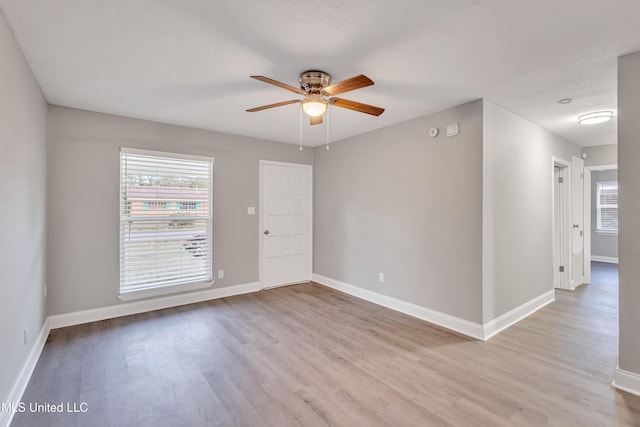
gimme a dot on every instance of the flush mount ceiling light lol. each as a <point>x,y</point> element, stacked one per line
<point>595,117</point>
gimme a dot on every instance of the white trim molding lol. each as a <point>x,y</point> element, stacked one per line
<point>22,380</point>
<point>607,259</point>
<point>465,327</point>
<point>627,381</point>
<point>102,313</point>
<point>501,323</point>
<point>157,291</point>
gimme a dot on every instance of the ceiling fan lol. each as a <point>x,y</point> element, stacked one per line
<point>316,87</point>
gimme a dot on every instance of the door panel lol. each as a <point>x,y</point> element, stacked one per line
<point>286,219</point>
<point>577,221</point>
<point>559,244</point>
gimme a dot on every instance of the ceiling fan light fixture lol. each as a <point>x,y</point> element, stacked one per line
<point>314,105</point>
<point>318,93</point>
<point>595,117</point>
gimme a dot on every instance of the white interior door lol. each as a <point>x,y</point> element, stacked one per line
<point>577,221</point>
<point>559,228</point>
<point>286,222</point>
<point>561,224</point>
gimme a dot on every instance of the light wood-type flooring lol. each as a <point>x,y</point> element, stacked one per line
<point>311,356</point>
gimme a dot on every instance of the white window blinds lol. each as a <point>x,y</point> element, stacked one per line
<point>607,207</point>
<point>165,219</point>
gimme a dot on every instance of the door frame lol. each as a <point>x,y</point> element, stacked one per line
<point>261,165</point>
<point>587,214</point>
<point>565,227</point>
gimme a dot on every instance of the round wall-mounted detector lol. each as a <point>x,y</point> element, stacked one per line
<point>565,101</point>
<point>433,132</point>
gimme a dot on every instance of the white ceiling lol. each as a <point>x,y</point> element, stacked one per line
<point>188,62</point>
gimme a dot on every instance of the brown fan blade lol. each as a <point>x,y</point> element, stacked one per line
<point>278,104</point>
<point>315,120</point>
<point>356,106</point>
<point>279,84</point>
<point>353,83</point>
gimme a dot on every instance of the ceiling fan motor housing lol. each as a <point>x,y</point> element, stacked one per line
<point>313,81</point>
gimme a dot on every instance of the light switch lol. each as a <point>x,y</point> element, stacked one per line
<point>251,210</point>
<point>453,130</point>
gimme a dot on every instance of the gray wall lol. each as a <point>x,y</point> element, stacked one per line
<point>22,216</point>
<point>601,155</point>
<point>517,234</point>
<point>629,232</point>
<point>605,245</point>
<point>83,183</point>
<point>402,203</point>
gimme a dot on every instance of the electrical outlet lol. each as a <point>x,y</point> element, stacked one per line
<point>24,332</point>
<point>380,277</point>
<point>220,274</point>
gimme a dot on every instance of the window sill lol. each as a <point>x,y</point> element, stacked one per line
<point>607,233</point>
<point>162,290</point>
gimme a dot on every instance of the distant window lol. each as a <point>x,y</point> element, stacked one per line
<point>157,206</point>
<point>162,247</point>
<point>607,207</point>
<point>187,206</point>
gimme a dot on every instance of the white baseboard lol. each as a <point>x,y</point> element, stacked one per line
<point>501,323</point>
<point>465,327</point>
<point>462,326</point>
<point>22,380</point>
<point>627,381</point>
<point>607,259</point>
<point>126,309</point>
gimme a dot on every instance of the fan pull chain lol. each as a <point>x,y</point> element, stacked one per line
<point>327,126</point>
<point>300,129</point>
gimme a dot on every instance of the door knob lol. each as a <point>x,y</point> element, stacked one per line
<point>266,231</point>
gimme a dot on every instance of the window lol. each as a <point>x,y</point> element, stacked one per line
<point>163,248</point>
<point>156,206</point>
<point>187,206</point>
<point>607,207</point>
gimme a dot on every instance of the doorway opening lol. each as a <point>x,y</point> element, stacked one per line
<point>600,216</point>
